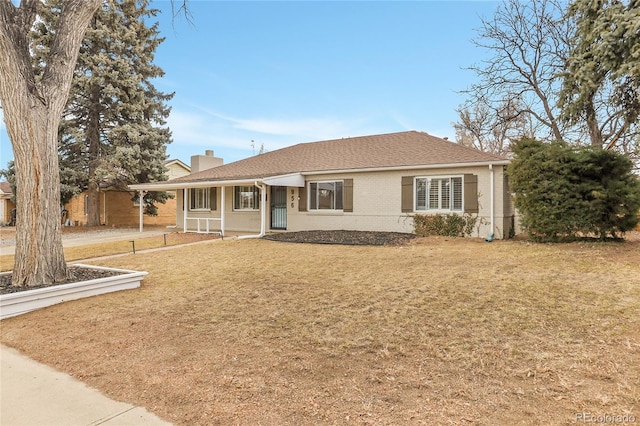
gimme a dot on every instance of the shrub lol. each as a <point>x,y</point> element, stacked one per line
<point>564,192</point>
<point>447,225</point>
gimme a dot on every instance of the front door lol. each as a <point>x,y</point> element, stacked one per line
<point>278,207</point>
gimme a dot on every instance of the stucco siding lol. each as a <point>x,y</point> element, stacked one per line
<point>377,204</point>
<point>239,221</point>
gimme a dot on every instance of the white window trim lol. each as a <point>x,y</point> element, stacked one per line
<point>324,211</point>
<point>204,209</point>
<point>428,210</point>
<point>255,188</point>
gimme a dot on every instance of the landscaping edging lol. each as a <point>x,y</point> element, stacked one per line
<point>29,300</point>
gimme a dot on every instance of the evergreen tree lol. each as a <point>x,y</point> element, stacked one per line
<point>112,129</point>
<point>571,71</point>
<point>564,191</point>
<point>603,67</point>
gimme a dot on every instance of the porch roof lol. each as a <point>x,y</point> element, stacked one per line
<point>293,179</point>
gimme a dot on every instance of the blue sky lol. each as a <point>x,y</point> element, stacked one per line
<point>281,73</point>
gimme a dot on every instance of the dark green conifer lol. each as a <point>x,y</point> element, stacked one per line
<point>113,131</point>
<point>563,192</point>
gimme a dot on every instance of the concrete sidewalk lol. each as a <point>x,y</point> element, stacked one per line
<point>34,394</point>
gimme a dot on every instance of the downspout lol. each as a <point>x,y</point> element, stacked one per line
<point>492,214</point>
<point>263,212</point>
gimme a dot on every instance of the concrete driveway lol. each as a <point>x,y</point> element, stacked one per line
<point>80,237</point>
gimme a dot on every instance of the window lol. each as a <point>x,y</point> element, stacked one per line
<point>202,198</point>
<point>326,195</point>
<point>246,198</point>
<point>439,193</point>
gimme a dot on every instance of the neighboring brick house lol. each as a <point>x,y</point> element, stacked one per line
<point>118,209</point>
<point>6,205</point>
<point>362,183</point>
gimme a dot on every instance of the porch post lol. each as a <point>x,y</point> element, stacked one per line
<point>263,208</point>
<point>184,209</point>
<point>141,210</point>
<point>222,208</point>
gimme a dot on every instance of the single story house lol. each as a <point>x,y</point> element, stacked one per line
<point>6,203</point>
<point>117,207</point>
<point>376,182</point>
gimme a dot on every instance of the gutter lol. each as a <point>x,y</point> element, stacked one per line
<point>161,186</point>
<point>416,167</point>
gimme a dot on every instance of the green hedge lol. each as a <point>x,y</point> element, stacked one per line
<point>563,192</point>
<point>448,225</point>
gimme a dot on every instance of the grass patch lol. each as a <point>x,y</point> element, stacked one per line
<point>90,251</point>
<point>435,332</point>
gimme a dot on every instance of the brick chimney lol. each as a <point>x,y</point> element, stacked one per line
<point>204,162</point>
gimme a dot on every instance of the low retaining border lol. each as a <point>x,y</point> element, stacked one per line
<point>21,302</point>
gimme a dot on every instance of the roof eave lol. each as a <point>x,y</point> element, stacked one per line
<point>161,186</point>
<point>293,179</point>
<point>410,167</point>
<point>289,179</point>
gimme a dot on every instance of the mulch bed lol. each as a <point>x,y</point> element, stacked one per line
<point>359,238</point>
<point>75,275</point>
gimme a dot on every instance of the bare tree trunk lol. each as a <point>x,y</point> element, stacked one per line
<point>592,124</point>
<point>32,111</point>
<point>93,141</point>
<point>93,204</point>
<point>39,257</point>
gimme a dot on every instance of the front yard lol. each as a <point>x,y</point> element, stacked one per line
<point>437,331</point>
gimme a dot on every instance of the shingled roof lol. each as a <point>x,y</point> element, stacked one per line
<point>5,187</point>
<point>393,150</point>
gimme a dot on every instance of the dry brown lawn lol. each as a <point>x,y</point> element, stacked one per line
<point>439,331</point>
<point>89,251</point>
